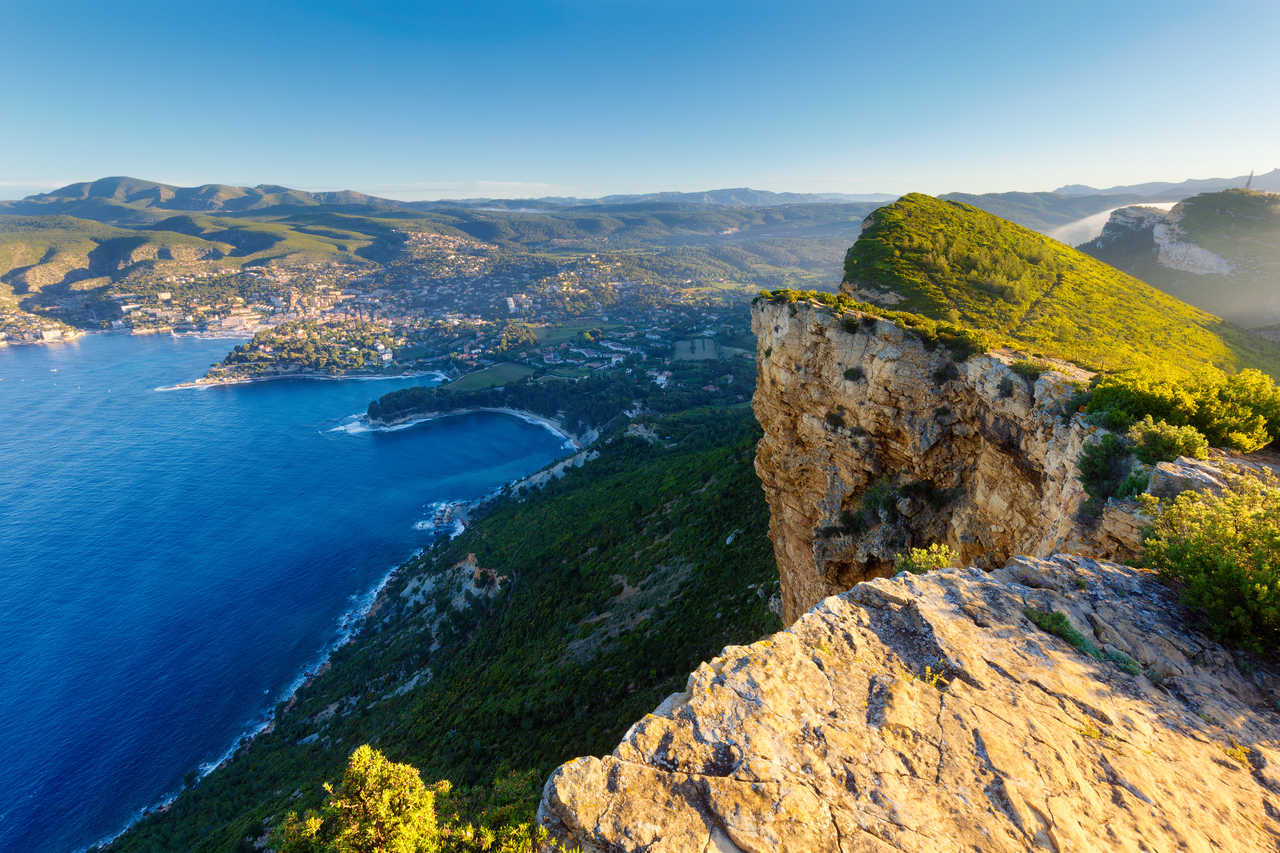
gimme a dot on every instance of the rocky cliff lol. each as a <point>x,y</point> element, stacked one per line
<point>932,713</point>
<point>1216,251</point>
<point>876,442</point>
<point>1054,701</point>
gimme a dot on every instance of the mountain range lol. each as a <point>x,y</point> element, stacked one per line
<point>1170,191</point>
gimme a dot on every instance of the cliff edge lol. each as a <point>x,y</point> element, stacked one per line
<point>876,441</point>
<point>932,713</point>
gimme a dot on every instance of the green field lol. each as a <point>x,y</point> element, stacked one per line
<point>696,349</point>
<point>498,374</point>
<point>568,332</point>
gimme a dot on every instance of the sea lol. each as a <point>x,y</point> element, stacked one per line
<point>173,562</point>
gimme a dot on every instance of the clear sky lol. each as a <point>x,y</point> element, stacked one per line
<point>585,97</point>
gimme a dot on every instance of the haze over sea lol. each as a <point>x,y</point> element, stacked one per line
<point>171,562</point>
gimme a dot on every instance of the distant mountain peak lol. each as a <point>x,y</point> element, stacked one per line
<point>1172,191</point>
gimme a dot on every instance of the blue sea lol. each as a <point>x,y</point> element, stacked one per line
<point>171,562</point>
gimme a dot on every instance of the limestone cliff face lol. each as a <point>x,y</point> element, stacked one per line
<point>940,712</point>
<point>929,713</point>
<point>874,443</point>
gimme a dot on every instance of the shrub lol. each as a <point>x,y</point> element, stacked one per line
<point>381,807</point>
<point>1135,484</point>
<point>1160,441</point>
<point>921,560</point>
<point>1029,370</point>
<point>880,500</point>
<point>1241,411</point>
<point>945,373</point>
<point>1223,553</point>
<point>378,806</point>
<point>1104,467</point>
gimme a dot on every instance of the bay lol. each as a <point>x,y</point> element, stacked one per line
<point>172,561</point>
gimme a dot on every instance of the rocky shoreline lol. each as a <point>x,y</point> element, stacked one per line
<point>551,424</point>
<point>206,382</point>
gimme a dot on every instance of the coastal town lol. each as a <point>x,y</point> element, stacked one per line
<point>437,303</point>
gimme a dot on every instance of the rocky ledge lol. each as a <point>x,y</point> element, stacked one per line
<point>936,713</point>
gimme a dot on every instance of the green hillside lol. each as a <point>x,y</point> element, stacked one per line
<point>1240,227</point>
<point>954,262</point>
<point>144,195</point>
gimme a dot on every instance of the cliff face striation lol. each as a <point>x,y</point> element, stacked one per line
<point>931,713</point>
<point>874,443</point>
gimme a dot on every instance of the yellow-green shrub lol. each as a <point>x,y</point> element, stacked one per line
<point>1223,553</point>
<point>1160,441</point>
<point>921,560</point>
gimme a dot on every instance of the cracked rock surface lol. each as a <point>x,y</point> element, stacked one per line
<point>929,713</point>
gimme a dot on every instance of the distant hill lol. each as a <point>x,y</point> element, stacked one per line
<point>739,197</point>
<point>1171,191</point>
<point>1220,251</point>
<point>132,200</point>
<point>60,250</point>
<point>140,194</point>
<point>1042,211</point>
<point>952,261</point>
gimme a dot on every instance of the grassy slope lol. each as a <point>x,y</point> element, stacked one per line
<point>622,582</point>
<point>952,261</point>
<point>37,251</point>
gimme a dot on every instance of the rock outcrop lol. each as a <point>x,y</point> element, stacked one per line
<point>931,713</point>
<point>876,442</point>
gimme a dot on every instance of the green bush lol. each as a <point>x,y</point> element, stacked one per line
<point>381,807</point>
<point>945,373</point>
<point>1160,441</point>
<point>1223,553</point>
<point>1104,468</point>
<point>921,560</point>
<point>1029,370</point>
<point>1241,411</point>
<point>1135,484</point>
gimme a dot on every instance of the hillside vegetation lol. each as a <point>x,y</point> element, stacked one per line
<point>951,261</point>
<point>539,634</point>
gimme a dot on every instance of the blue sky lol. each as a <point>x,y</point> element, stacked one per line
<point>585,97</point>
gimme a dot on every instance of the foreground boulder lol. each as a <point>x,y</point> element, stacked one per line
<point>932,713</point>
